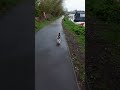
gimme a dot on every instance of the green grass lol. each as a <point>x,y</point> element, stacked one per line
<point>81,41</point>
<point>39,25</point>
<point>79,32</point>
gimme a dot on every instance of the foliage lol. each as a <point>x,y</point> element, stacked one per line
<point>106,10</point>
<point>52,7</point>
<point>37,12</point>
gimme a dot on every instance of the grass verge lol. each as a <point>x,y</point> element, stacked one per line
<point>78,31</point>
<point>40,24</point>
<point>75,36</point>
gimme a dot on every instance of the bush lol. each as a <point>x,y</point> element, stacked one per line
<point>105,10</point>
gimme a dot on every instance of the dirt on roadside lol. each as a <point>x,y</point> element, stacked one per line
<point>78,58</point>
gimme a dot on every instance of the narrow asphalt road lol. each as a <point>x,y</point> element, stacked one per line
<point>53,68</point>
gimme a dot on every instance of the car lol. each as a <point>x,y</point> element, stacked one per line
<point>79,19</point>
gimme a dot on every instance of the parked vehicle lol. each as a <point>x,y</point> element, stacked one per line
<point>79,18</point>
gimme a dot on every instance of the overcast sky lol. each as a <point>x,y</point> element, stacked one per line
<point>74,4</point>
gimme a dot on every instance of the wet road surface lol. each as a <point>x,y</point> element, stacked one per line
<point>53,68</point>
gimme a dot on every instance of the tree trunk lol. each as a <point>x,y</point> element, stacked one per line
<point>44,15</point>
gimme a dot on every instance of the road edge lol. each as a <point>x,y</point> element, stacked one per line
<point>70,58</point>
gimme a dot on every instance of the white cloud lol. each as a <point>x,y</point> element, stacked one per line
<point>74,4</point>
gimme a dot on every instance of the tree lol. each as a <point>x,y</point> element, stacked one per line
<point>51,7</point>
